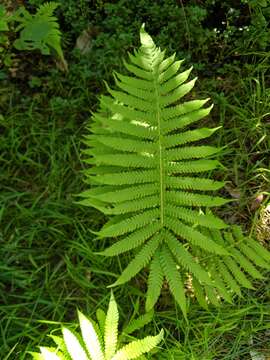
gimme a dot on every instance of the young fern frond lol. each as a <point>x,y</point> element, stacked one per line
<point>89,346</point>
<point>147,174</point>
<point>39,31</point>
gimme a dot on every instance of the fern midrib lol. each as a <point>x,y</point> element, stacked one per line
<point>160,146</point>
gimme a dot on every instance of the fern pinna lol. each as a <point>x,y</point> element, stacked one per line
<point>143,176</point>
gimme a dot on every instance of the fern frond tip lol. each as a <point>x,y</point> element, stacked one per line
<point>146,39</point>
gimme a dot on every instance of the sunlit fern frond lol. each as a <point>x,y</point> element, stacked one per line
<point>98,343</point>
<point>147,175</point>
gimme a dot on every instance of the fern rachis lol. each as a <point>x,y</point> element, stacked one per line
<point>147,175</point>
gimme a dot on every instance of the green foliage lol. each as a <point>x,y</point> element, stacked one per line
<point>34,32</point>
<point>4,27</point>
<point>48,263</point>
<point>39,31</point>
<point>144,161</point>
<point>98,341</point>
<point>3,19</point>
<point>233,272</point>
<point>234,28</point>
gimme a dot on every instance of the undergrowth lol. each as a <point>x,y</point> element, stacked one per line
<point>47,266</point>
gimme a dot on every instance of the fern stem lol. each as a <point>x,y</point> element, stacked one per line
<point>160,146</point>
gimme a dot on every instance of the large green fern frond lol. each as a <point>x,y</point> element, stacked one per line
<point>147,175</point>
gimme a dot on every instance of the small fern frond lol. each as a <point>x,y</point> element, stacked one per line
<point>184,114</point>
<point>90,346</point>
<point>178,123</point>
<point>120,195</point>
<point>134,206</point>
<point>171,84</point>
<point>39,31</point>
<point>124,178</point>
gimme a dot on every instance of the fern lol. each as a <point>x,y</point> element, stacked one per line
<point>146,175</point>
<point>4,19</point>
<point>39,31</point>
<point>99,342</point>
<point>229,274</point>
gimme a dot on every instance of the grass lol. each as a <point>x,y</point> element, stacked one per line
<point>47,264</point>
<point>244,117</point>
<point>48,268</point>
